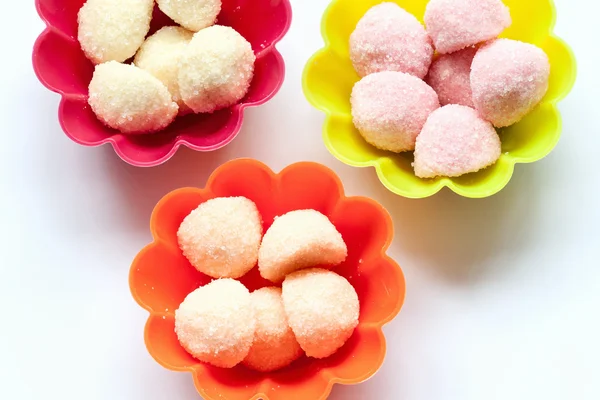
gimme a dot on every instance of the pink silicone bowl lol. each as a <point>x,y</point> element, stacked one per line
<point>62,67</point>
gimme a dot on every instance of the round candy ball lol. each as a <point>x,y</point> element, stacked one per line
<point>221,237</point>
<point>129,99</point>
<point>113,30</point>
<point>390,108</point>
<point>160,55</point>
<point>508,79</point>
<point>191,14</point>
<point>216,69</point>
<point>388,38</point>
<point>275,345</point>
<point>215,323</point>
<point>456,24</point>
<point>322,309</point>
<point>450,77</point>
<point>455,141</point>
<point>299,239</point>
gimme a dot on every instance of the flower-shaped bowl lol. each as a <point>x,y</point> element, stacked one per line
<point>161,277</point>
<point>329,77</point>
<point>61,66</point>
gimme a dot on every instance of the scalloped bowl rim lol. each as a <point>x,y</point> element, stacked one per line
<point>331,380</point>
<point>238,109</point>
<point>443,182</point>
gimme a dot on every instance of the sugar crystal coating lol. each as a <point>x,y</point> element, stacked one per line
<point>299,239</point>
<point>390,108</point>
<point>221,237</point>
<point>216,324</point>
<point>456,24</point>
<point>322,309</point>
<point>508,79</point>
<point>388,38</point>
<point>275,345</point>
<point>450,77</point>
<point>216,69</point>
<point>455,141</point>
<point>129,99</point>
<point>191,14</point>
<point>113,30</point>
<point>160,55</point>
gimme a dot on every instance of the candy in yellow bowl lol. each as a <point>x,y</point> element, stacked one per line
<point>329,77</point>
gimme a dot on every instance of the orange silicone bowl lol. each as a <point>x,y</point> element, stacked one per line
<point>161,277</point>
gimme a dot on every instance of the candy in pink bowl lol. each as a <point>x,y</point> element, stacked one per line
<point>61,66</point>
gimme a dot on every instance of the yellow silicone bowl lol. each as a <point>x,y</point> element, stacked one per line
<point>329,77</point>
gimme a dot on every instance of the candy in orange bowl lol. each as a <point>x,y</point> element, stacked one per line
<point>161,277</point>
<point>329,77</point>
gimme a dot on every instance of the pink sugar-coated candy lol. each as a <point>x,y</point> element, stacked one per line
<point>450,77</point>
<point>508,79</point>
<point>455,141</point>
<point>389,109</point>
<point>388,38</point>
<point>456,24</point>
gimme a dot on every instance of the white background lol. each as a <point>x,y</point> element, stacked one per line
<point>502,293</point>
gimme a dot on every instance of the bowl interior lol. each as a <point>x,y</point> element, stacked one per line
<point>61,65</point>
<point>329,77</point>
<point>161,277</point>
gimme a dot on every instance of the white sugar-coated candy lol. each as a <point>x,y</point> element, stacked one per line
<point>275,345</point>
<point>322,309</point>
<point>113,30</point>
<point>221,237</point>
<point>216,324</point>
<point>216,69</point>
<point>129,99</point>
<point>191,14</point>
<point>160,55</point>
<point>299,239</point>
